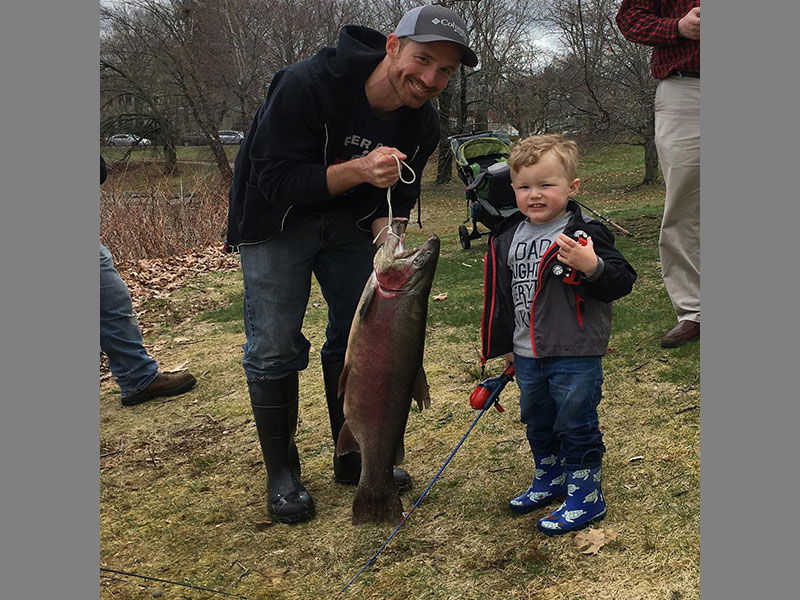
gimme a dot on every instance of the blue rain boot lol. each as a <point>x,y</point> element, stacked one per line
<point>583,506</point>
<point>547,486</point>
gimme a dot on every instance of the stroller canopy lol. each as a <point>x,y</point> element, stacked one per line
<point>466,151</point>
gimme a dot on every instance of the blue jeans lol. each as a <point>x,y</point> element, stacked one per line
<point>558,403</point>
<point>120,336</point>
<point>277,285</point>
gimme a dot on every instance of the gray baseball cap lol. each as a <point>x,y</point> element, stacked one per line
<point>435,23</point>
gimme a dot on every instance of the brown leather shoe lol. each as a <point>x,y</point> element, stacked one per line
<point>165,384</point>
<point>683,332</point>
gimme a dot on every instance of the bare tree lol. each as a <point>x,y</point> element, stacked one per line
<point>601,81</point>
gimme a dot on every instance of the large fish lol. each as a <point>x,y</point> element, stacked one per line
<point>383,370</point>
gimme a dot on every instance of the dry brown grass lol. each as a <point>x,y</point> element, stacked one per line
<point>144,214</point>
<point>182,481</point>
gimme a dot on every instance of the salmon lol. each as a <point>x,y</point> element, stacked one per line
<point>383,370</point>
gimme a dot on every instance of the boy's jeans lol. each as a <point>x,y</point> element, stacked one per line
<point>277,285</point>
<point>120,336</point>
<point>558,403</point>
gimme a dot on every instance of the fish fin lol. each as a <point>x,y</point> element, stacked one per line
<point>347,441</point>
<point>370,506</point>
<point>421,390</point>
<point>366,299</point>
<point>343,377</point>
<point>400,455</point>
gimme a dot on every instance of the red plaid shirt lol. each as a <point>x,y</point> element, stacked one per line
<point>655,23</point>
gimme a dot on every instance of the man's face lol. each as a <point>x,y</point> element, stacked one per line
<point>542,189</point>
<point>419,72</point>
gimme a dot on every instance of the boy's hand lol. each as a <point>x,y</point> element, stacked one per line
<point>577,256</point>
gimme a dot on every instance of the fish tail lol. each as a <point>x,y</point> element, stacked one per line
<point>373,507</point>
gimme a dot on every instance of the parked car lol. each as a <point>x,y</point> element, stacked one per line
<point>228,136</point>
<point>194,138</point>
<point>127,139</point>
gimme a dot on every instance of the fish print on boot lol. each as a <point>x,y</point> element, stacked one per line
<point>583,505</point>
<point>548,485</point>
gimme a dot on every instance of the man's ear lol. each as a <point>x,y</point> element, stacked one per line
<point>392,45</point>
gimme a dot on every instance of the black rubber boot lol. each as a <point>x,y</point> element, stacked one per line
<point>347,467</point>
<point>274,405</point>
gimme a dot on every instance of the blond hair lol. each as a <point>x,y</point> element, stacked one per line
<point>529,151</point>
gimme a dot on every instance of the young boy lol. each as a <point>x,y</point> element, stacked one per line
<point>551,273</point>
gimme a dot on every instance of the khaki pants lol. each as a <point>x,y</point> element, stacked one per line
<point>677,133</point>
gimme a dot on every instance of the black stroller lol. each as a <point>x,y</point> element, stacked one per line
<point>482,164</point>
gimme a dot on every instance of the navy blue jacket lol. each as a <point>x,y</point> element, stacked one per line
<point>280,170</point>
<point>566,320</point>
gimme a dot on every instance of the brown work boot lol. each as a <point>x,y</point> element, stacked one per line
<point>683,332</point>
<point>165,384</point>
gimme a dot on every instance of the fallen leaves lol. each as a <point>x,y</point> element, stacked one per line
<point>589,541</point>
<point>442,296</point>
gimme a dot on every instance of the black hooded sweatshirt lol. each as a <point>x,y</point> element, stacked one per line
<point>280,171</point>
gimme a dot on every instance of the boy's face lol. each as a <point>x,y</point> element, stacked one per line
<point>542,189</point>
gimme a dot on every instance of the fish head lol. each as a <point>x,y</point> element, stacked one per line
<point>399,269</point>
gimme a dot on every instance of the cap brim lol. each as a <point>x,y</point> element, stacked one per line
<point>470,59</point>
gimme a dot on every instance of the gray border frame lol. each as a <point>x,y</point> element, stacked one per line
<point>48,232</point>
<point>749,218</point>
<point>49,352</point>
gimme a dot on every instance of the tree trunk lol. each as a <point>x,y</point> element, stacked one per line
<point>651,167</point>
<point>462,100</point>
<point>223,164</point>
<point>170,157</point>
<point>444,164</point>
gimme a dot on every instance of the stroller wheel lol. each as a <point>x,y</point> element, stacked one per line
<point>463,237</point>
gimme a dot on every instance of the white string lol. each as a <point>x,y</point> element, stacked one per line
<point>400,165</point>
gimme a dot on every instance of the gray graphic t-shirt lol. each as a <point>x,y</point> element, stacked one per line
<point>528,245</point>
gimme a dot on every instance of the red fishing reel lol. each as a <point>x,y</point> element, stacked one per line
<point>567,274</point>
<point>488,390</point>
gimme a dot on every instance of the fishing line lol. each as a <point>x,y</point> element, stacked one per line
<point>400,165</point>
<point>194,587</point>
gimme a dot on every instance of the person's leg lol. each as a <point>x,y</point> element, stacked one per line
<point>120,337</point>
<point>576,388</point>
<point>342,268</point>
<point>277,284</point>
<point>677,133</point>
<point>538,413</point>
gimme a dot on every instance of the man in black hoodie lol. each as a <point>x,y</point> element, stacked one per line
<point>309,196</point>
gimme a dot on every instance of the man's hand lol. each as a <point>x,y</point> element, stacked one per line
<point>689,25</point>
<point>577,256</point>
<point>378,168</point>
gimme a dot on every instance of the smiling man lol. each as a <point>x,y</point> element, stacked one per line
<point>309,195</point>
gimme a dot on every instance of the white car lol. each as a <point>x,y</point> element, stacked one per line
<point>228,136</point>
<point>127,139</point>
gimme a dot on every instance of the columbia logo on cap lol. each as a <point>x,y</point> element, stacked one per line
<point>433,23</point>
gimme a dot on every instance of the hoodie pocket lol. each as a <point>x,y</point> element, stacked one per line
<point>258,216</point>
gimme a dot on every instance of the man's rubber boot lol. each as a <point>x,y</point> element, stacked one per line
<point>583,506</point>
<point>275,406</point>
<point>548,485</point>
<point>347,467</point>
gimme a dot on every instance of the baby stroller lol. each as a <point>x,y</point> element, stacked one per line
<point>482,164</point>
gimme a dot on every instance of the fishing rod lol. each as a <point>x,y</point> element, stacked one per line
<point>597,214</point>
<point>483,397</point>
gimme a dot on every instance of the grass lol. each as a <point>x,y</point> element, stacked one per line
<point>182,480</point>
